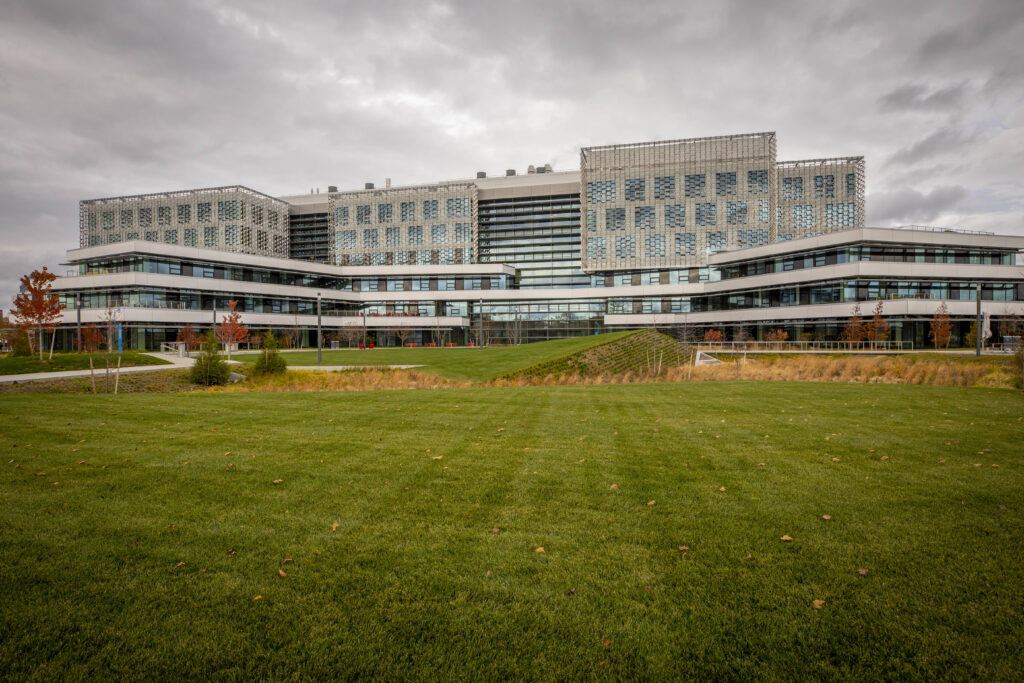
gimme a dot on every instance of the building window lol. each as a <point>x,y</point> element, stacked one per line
<point>717,240</point>
<point>686,244</point>
<point>415,235</point>
<point>92,220</point>
<point>127,218</point>
<point>840,215</point>
<point>341,215</point>
<point>257,214</point>
<point>230,235</point>
<point>851,184</point>
<point>262,243</point>
<point>675,216</point>
<point>751,238</point>
<point>190,236</point>
<point>615,219</point>
<point>707,213</point>
<point>600,191</point>
<point>824,186</point>
<point>343,239</point>
<point>625,247</point>
<point>370,238</point>
<point>592,220</point>
<point>392,237</point>
<point>695,185</point>
<point>152,236</point>
<point>107,219</point>
<point>204,212</point>
<point>438,234</point>
<point>725,183</point>
<point>408,210</point>
<point>422,257</point>
<point>430,208</point>
<point>145,218</point>
<point>757,182</point>
<point>171,236</point>
<point>458,207</point>
<point>184,214</point>
<point>384,213</point>
<point>229,210</point>
<point>446,257</point>
<point>210,236</point>
<point>463,232</point>
<point>736,212</point>
<point>597,247</point>
<point>803,216</point>
<point>401,258</point>
<point>654,245</point>
<point>363,214</point>
<point>793,188</point>
<point>665,187</point>
<point>635,188</point>
<point>763,213</point>
<point>643,217</point>
<point>378,258</point>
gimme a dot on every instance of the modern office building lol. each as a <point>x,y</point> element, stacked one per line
<point>682,235</point>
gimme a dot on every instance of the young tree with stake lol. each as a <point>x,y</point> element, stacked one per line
<point>36,306</point>
<point>231,330</point>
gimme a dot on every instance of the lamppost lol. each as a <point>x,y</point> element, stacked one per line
<point>319,341</point>
<point>977,324</point>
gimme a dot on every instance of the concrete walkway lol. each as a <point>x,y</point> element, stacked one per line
<point>176,364</point>
<point>334,368</point>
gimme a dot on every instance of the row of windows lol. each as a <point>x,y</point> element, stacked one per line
<point>447,256</point>
<point>455,207</point>
<point>346,239</point>
<point>212,237</point>
<point>685,243</point>
<point>144,217</point>
<point>644,217</point>
<point>695,185</point>
<point>824,187</point>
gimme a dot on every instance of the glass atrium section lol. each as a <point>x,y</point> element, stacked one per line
<point>540,236</point>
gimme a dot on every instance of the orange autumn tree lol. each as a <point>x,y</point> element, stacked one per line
<point>188,335</point>
<point>713,336</point>
<point>231,330</point>
<point>877,328</point>
<point>941,327</point>
<point>92,339</point>
<point>36,306</point>
<point>854,330</point>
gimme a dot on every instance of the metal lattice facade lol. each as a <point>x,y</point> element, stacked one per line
<point>415,225</point>
<point>234,219</point>
<point>817,196</point>
<point>669,204</point>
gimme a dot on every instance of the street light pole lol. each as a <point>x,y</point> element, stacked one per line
<point>319,341</point>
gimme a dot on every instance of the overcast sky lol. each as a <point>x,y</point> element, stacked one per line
<point>101,98</point>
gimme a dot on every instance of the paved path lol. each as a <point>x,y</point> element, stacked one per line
<point>176,364</point>
<point>333,368</point>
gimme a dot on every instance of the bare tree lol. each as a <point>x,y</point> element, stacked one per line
<point>402,334</point>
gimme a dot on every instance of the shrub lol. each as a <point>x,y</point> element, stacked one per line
<point>210,368</point>
<point>21,347</point>
<point>269,361</point>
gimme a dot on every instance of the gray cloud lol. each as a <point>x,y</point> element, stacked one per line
<point>108,97</point>
<point>909,206</point>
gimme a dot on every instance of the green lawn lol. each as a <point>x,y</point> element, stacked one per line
<point>137,532</point>
<point>12,365</point>
<point>478,364</point>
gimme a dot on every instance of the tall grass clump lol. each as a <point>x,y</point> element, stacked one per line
<point>210,369</point>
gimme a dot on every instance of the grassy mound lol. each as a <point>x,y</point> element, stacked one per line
<point>12,365</point>
<point>639,351</point>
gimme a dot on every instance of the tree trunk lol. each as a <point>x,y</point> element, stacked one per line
<point>53,342</point>
<point>40,343</point>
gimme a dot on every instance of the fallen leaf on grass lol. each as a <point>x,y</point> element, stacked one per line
<point>278,481</point>
<point>281,573</point>
<point>760,464</point>
<point>258,597</point>
<point>722,490</point>
<point>488,573</point>
<point>787,538</point>
<point>334,527</point>
<point>40,474</point>
<point>494,530</point>
<point>570,592</point>
<point>540,550</point>
<point>818,604</point>
<point>650,503</point>
<point>286,560</point>
<point>606,642</point>
<point>436,457</point>
<point>835,459</point>
<point>684,548</point>
<point>862,572</point>
<point>826,517</point>
<point>180,564</point>
<point>231,552</point>
<point>942,461</point>
<point>614,486</point>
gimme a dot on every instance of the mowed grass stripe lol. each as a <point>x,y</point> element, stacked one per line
<point>90,586</point>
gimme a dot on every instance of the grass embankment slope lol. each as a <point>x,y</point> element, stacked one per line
<point>17,365</point>
<point>137,532</point>
<point>476,364</point>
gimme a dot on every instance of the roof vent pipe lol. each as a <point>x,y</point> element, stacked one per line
<point>510,171</point>
<point>332,188</point>
<point>481,174</point>
<point>531,169</point>
<point>387,182</point>
<point>547,168</point>
<point>368,186</point>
